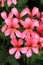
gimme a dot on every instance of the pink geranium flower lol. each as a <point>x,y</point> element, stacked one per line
<point>35,11</point>
<point>26,23</point>
<point>17,48</point>
<point>9,2</point>
<point>32,45</point>
<point>33,35</point>
<point>23,13</point>
<point>19,16</point>
<point>30,24</point>
<point>40,28</point>
<point>11,25</point>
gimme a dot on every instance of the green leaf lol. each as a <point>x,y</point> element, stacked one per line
<point>1,34</point>
<point>12,60</point>
<point>36,57</point>
<point>3,56</point>
<point>33,58</point>
<point>40,55</point>
<point>41,2</point>
<point>6,6</point>
<point>22,3</point>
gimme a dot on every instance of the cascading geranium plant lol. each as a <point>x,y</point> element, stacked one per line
<point>24,28</point>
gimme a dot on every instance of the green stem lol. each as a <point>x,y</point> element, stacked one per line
<point>24,59</point>
<point>27,61</point>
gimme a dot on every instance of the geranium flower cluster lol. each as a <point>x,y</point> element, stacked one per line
<point>9,2</point>
<point>26,33</point>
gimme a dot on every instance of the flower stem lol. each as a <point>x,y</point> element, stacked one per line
<point>27,61</point>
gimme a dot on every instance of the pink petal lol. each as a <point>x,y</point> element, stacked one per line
<point>12,36</point>
<point>35,23</point>
<point>4,15</point>
<point>2,4</point>
<point>18,33</point>
<point>24,12</point>
<point>23,50</point>
<point>14,42</point>
<point>22,22</point>
<point>34,42</point>
<point>29,53</point>
<point>41,39</point>
<point>35,39</point>
<point>38,14</point>
<point>28,42</point>
<point>17,55</point>
<point>8,2</point>
<point>10,15</point>
<point>15,12</point>
<point>15,22</point>
<point>14,2</point>
<point>7,32</point>
<point>16,25</point>
<point>4,28</point>
<point>12,50</point>
<point>27,38</point>
<point>35,11</point>
<point>35,50</point>
<point>42,19</point>
<point>23,35</point>
<point>27,22</point>
<point>20,42</point>
<point>8,21</point>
